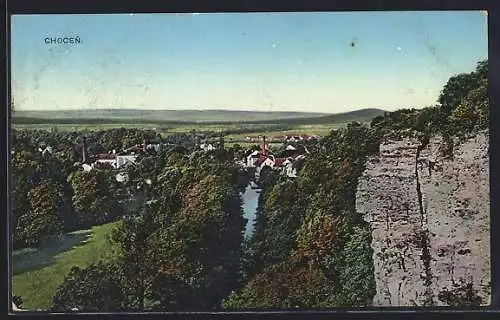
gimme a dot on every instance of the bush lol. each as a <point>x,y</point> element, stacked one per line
<point>461,295</point>
<point>97,288</point>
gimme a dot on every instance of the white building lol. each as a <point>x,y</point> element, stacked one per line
<point>111,162</point>
<point>45,150</point>
<point>207,147</point>
<point>252,159</point>
<point>121,160</point>
<point>155,146</point>
<point>267,162</point>
<point>290,171</point>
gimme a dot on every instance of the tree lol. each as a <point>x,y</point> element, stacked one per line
<point>282,215</point>
<point>465,98</point>
<point>96,288</point>
<point>356,271</point>
<point>138,255</point>
<point>172,294</point>
<point>93,197</point>
<point>319,240</point>
<point>25,175</point>
<point>199,242</point>
<point>455,90</point>
<point>290,284</point>
<point>313,219</point>
<point>43,221</point>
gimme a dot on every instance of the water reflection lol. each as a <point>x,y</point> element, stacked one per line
<point>250,203</point>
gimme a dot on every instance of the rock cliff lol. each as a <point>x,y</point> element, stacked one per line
<point>430,217</point>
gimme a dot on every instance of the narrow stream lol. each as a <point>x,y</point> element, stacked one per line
<point>250,203</point>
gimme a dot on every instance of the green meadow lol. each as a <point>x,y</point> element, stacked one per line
<point>37,273</point>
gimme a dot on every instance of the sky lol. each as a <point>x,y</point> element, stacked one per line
<point>316,62</point>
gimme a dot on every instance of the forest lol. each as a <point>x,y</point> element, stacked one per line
<point>179,243</point>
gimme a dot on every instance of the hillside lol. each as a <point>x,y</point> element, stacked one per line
<point>186,116</point>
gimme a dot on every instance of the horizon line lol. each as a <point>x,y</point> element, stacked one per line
<point>201,110</point>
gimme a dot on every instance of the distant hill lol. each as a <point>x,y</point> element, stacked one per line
<point>96,116</point>
<point>164,115</point>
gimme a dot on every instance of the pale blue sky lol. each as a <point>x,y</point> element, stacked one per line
<point>245,61</point>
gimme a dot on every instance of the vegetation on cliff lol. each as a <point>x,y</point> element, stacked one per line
<point>310,225</point>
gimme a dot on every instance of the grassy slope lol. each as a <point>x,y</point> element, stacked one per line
<point>38,273</point>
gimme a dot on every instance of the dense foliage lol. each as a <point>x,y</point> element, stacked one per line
<point>312,221</point>
<point>45,163</point>
<point>308,231</point>
<point>181,248</point>
<point>179,245</point>
<point>463,108</point>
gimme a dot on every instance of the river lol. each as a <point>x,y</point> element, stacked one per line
<point>250,203</point>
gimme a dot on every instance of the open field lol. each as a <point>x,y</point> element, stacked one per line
<point>125,115</point>
<point>229,122</point>
<point>312,129</point>
<point>187,117</point>
<point>171,129</point>
<point>38,273</point>
<point>320,130</point>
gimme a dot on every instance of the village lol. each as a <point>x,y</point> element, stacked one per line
<point>255,161</point>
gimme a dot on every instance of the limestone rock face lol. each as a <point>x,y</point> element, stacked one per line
<point>430,218</point>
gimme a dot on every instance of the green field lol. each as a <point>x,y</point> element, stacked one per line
<point>165,115</point>
<point>168,122</point>
<point>38,273</point>
<point>318,129</point>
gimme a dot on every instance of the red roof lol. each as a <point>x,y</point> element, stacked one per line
<point>260,160</point>
<point>279,161</point>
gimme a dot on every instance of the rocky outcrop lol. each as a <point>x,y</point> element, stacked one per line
<point>430,218</point>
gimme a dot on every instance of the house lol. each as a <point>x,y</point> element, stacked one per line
<point>89,162</point>
<point>104,159</point>
<point>124,159</point>
<point>139,148</point>
<point>299,157</point>
<point>287,166</point>
<point>262,162</point>
<point>145,146</point>
<point>309,138</point>
<point>252,158</point>
<point>269,161</point>
<point>45,150</point>
<point>113,160</point>
<point>280,162</point>
<point>154,145</point>
<point>207,147</point>
<point>290,170</point>
<point>121,177</point>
